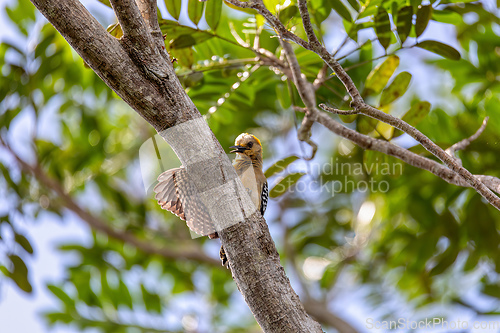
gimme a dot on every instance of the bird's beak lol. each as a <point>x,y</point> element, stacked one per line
<point>238,149</point>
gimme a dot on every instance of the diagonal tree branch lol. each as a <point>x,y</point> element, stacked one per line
<point>434,167</point>
<point>432,148</point>
<point>367,142</point>
<point>99,225</point>
<point>358,103</point>
<point>405,155</point>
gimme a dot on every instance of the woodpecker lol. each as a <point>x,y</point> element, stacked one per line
<point>248,151</point>
<point>177,194</point>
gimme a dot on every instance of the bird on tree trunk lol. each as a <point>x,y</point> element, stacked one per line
<point>176,193</point>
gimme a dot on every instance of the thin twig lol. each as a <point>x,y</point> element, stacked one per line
<point>321,77</point>
<point>337,111</point>
<point>466,142</point>
<point>231,63</point>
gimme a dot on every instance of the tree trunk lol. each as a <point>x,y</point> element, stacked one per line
<point>139,70</point>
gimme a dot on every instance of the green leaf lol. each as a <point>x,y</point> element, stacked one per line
<point>22,13</point>
<point>440,48</point>
<point>404,22</point>
<point>193,79</point>
<point>195,10</point>
<point>280,165</point>
<point>366,125</point>
<point>394,9</point>
<point>81,281</point>
<point>184,57</point>
<point>396,89</point>
<point>180,36</point>
<point>492,290</point>
<point>447,16</point>
<point>9,116</point>
<point>283,95</point>
<point>370,8</point>
<point>20,273</point>
<point>115,30</point>
<point>319,10</point>
<point>174,8</point>
<point>446,260</point>
<point>213,9</point>
<point>43,44</point>
<point>354,4</point>
<point>23,241</point>
<point>330,276</point>
<point>28,10</point>
<point>414,115</point>
<point>284,16</point>
<point>10,183</point>
<point>415,3</point>
<point>151,301</point>
<point>106,3</point>
<point>372,160</point>
<point>380,75</point>
<point>285,184</point>
<point>57,317</point>
<point>424,14</point>
<point>383,28</point>
<point>124,295</point>
<point>339,7</point>
<point>59,293</point>
<point>356,27</point>
<point>189,40</point>
<point>417,113</point>
<point>472,261</point>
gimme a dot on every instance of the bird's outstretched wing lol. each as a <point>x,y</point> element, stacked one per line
<point>176,193</point>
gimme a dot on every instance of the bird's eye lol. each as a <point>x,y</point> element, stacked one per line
<point>250,144</point>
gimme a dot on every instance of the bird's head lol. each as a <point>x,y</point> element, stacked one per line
<point>249,145</point>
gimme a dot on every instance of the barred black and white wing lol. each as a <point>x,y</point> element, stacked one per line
<point>176,193</point>
<point>263,199</point>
